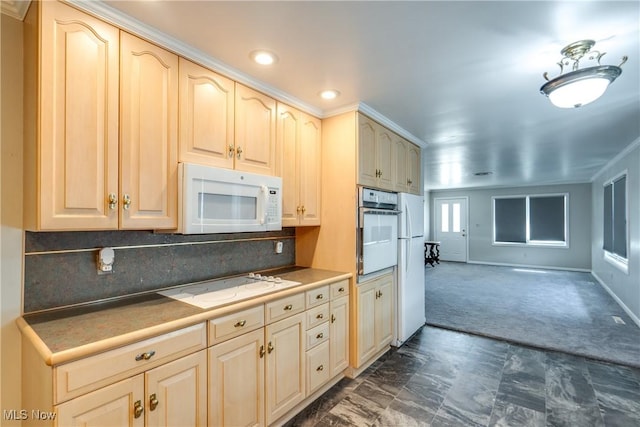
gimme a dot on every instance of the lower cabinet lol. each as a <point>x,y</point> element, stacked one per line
<point>172,394</point>
<point>374,310</point>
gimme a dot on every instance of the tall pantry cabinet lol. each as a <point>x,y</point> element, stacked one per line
<point>101,134</point>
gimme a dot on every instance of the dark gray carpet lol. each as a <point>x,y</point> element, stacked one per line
<point>556,310</point>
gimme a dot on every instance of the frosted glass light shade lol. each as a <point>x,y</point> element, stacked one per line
<point>579,93</point>
<point>580,87</point>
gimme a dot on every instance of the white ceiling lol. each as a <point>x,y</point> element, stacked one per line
<point>462,76</point>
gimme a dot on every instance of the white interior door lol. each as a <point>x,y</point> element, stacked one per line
<point>451,228</point>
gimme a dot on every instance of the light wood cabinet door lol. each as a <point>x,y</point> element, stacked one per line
<point>285,365</point>
<point>384,312</point>
<point>384,156</point>
<point>148,135</point>
<point>367,164</point>
<point>299,162</point>
<point>78,147</point>
<point>206,116</point>
<point>113,405</point>
<point>176,392</point>
<point>366,305</point>
<point>236,380</point>
<point>401,159</point>
<point>339,335</point>
<point>309,173</point>
<point>255,131</point>
<point>414,177</point>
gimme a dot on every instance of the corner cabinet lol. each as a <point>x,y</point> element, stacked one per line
<point>100,141</point>
<point>373,310</point>
<point>299,162</point>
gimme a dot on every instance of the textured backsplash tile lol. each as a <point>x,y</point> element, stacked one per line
<point>60,268</point>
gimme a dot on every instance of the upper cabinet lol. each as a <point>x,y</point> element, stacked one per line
<point>148,135</point>
<point>255,131</point>
<point>406,157</point>
<point>207,103</point>
<point>375,154</point>
<point>71,116</point>
<point>386,160</point>
<point>299,148</point>
<point>100,142</point>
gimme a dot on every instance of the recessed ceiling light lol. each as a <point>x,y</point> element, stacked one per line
<point>264,57</point>
<point>483,173</point>
<point>329,94</point>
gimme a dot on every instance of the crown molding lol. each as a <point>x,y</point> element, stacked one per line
<point>375,115</point>
<point>145,31</point>
<point>617,158</point>
<point>15,8</point>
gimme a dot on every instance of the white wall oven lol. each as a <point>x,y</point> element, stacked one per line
<point>377,237</point>
<point>216,200</point>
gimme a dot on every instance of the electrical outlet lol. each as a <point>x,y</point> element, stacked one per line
<point>106,257</point>
<point>278,247</point>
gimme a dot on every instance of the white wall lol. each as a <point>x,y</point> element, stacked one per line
<point>481,249</point>
<point>11,233</point>
<point>624,287</point>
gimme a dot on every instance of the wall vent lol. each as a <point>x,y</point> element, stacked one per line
<point>618,320</point>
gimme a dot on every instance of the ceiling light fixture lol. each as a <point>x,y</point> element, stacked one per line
<point>263,57</point>
<point>329,94</point>
<point>580,86</point>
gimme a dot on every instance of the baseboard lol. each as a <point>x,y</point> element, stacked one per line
<point>626,309</point>
<point>542,267</point>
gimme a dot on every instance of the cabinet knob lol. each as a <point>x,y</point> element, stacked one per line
<point>333,318</point>
<point>270,348</point>
<point>320,316</point>
<point>303,209</point>
<point>288,307</point>
<point>126,202</point>
<point>153,402</point>
<point>320,336</point>
<point>240,324</point>
<point>262,351</point>
<point>239,151</point>
<point>138,409</point>
<point>113,201</point>
<point>409,182</point>
<point>299,209</point>
<point>341,290</point>
<point>231,150</point>
<point>320,368</point>
<point>320,296</point>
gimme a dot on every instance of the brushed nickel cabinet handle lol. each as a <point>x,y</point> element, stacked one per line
<point>145,356</point>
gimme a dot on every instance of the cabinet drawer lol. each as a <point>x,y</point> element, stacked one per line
<point>317,296</point>
<point>317,335</point>
<point>81,376</point>
<point>284,307</point>
<point>339,289</point>
<point>318,372</point>
<point>317,315</point>
<point>223,328</point>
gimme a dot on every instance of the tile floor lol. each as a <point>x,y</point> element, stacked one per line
<point>446,378</point>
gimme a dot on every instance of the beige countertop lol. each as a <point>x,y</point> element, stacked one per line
<point>67,334</point>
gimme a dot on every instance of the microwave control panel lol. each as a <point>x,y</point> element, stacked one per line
<point>272,206</point>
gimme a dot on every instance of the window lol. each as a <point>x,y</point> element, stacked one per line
<point>530,220</point>
<point>615,219</point>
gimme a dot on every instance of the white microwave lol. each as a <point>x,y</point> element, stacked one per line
<point>215,200</point>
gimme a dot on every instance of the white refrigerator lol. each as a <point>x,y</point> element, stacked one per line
<point>410,309</point>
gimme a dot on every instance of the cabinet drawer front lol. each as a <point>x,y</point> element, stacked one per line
<point>318,372</point>
<point>317,296</point>
<point>84,375</point>
<point>339,289</point>
<point>223,328</point>
<point>317,335</point>
<point>317,315</point>
<point>284,307</point>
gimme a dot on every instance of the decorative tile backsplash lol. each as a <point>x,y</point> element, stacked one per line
<point>61,268</point>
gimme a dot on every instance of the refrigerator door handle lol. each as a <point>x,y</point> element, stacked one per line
<point>408,257</point>
<point>409,222</point>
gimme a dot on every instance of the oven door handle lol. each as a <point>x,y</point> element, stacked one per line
<point>375,211</point>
